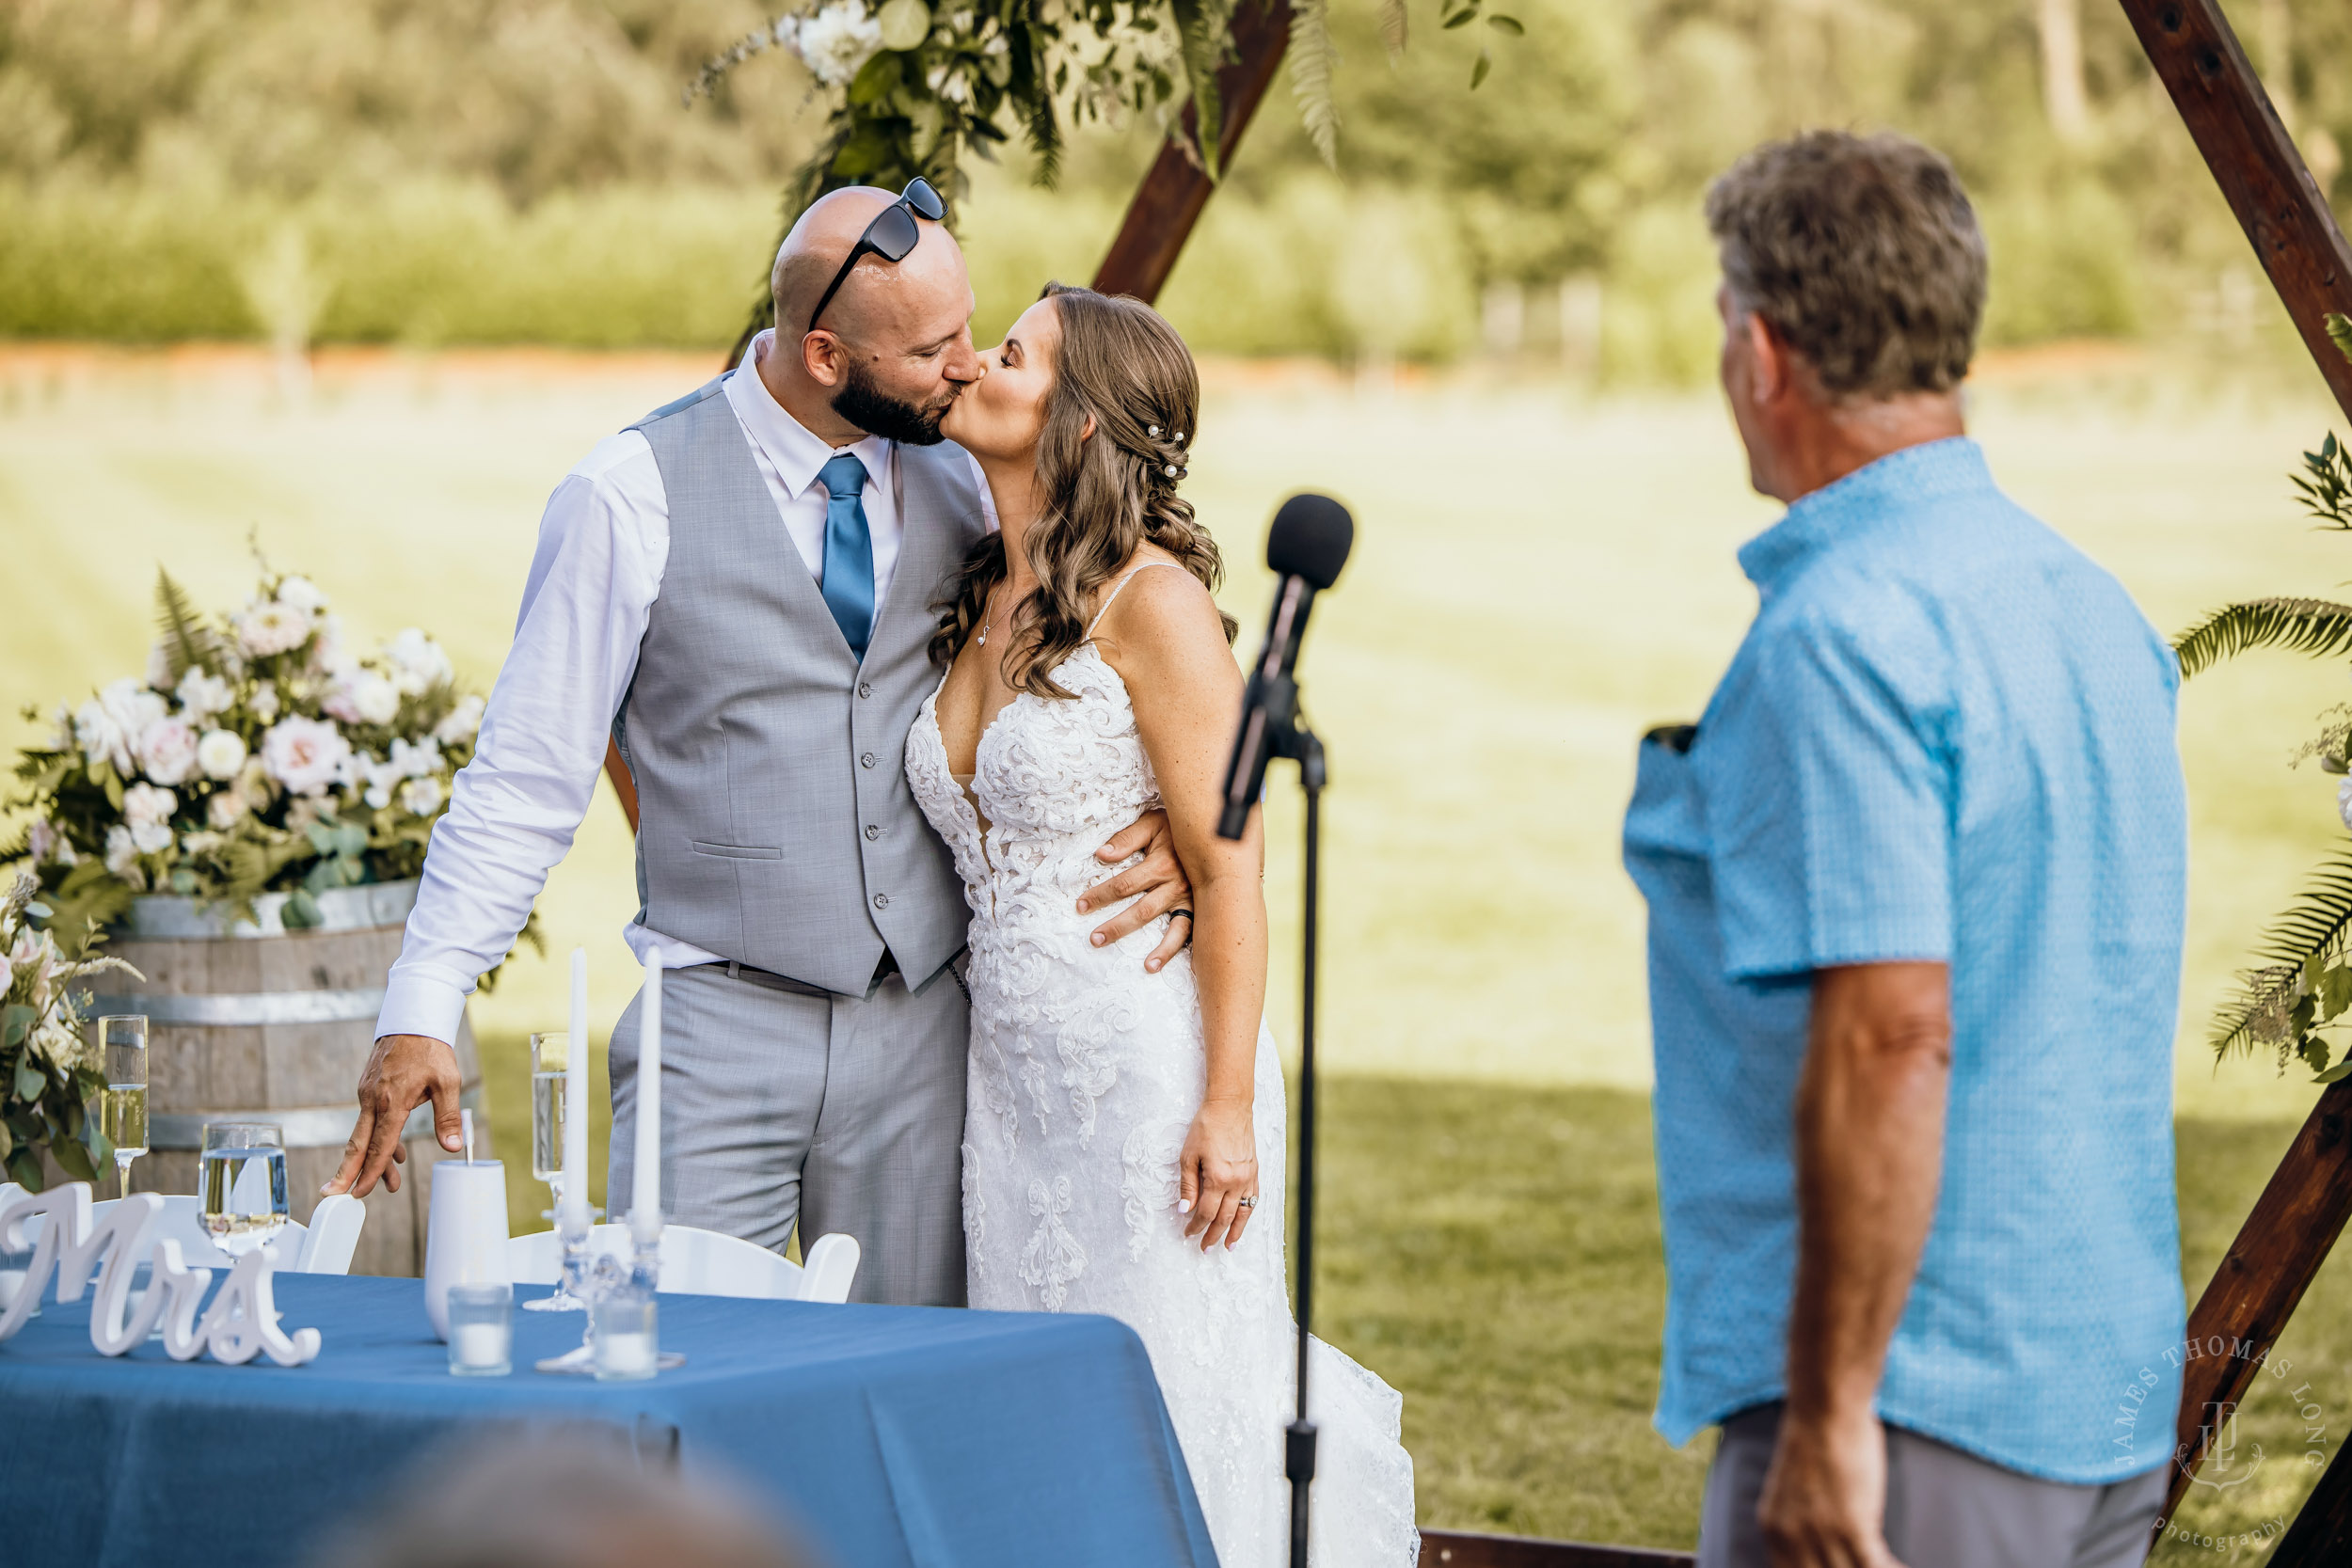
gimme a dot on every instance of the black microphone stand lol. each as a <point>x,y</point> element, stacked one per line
<point>1287,735</point>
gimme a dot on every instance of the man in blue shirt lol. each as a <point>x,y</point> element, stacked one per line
<point>1916,883</point>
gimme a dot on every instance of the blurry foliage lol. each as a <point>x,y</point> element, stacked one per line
<point>524,169</point>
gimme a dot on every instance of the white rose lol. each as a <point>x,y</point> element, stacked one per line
<point>167,751</point>
<point>302,593</point>
<point>225,809</point>
<point>220,754</point>
<point>421,797</point>
<point>373,699</point>
<point>418,662</point>
<point>273,627</point>
<point>203,694</point>
<point>265,703</point>
<point>327,655</point>
<point>2344,802</point>
<point>108,724</point>
<point>462,722</point>
<point>836,41</point>
<point>305,755</point>
<point>121,854</point>
<point>144,805</point>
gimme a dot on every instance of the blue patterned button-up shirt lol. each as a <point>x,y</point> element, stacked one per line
<point>1947,737</point>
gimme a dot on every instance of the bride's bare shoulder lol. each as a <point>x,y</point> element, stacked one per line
<point>1156,609</point>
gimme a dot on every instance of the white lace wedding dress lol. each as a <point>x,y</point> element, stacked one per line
<point>1085,1073</point>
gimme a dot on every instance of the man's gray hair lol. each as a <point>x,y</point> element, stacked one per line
<point>1862,252</point>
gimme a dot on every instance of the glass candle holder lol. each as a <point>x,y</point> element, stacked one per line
<point>628,1346</point>
<point>480,1330</point>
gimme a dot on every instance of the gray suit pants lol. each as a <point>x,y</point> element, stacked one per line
<point>838,1113</point>
<point>1944,1509</point>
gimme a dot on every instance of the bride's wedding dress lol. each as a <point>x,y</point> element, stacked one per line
<point>1085,1072</point>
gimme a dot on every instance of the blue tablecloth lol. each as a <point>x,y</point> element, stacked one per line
<point>893,1436</point>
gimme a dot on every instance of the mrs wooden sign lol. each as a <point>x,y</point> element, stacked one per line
<point>241,1323</point>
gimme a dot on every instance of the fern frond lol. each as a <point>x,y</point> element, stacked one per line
<point>2315,927</point>
<point>1395,29</point>
<point>2315,627</point>
<point>2340,332</point>
<point>1200,32</point>
<point>189,643</point>
<point>1312,59</point>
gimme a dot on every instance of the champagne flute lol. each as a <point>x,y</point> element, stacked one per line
<point>550,1053</point>
<point>243,1184</point>
<point>123,1109</point>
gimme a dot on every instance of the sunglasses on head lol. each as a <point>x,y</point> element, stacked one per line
<point>892,236</point>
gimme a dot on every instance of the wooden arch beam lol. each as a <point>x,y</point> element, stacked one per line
<point>2295,1221</point>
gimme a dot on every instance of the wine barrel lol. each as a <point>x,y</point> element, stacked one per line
<point>250,1021</point>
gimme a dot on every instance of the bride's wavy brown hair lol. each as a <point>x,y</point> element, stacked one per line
<point>1104,494</point>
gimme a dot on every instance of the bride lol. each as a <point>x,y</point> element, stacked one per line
<point>1125,1127</point>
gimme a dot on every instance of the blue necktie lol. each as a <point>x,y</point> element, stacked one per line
<point>848,580</point>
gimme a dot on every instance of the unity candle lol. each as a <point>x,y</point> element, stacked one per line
<point>573,1219</point>
<point>645,1219</point>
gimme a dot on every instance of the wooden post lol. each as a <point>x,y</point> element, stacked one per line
<point>2253,160</point>
<point>2287,219</point>
<point>1168,202</point>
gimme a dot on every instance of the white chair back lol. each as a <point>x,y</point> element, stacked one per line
<point>705,1263</point>
<point>323,1247</point>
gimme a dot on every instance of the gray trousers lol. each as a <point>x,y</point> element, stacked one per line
<point>1944,1509</point>
<point>839,1113</point>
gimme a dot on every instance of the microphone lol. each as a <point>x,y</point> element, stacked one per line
<point>1308,545</point>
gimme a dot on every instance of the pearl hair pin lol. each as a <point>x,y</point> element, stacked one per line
<point>1152,431</point>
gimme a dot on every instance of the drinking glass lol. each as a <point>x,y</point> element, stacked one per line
<point>122,1107</point>
<point>550,1053</point>
<point>243,1184</point>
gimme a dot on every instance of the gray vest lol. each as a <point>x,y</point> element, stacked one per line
<point>775,823</point>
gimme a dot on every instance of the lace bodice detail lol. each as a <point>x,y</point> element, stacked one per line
<point>1084,1074</point>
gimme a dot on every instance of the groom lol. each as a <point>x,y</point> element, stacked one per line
<point>736,589</point>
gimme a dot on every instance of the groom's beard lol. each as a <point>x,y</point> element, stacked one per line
<point>865,405</point>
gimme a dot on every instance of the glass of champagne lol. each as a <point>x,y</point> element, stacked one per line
<point>242,1187</point>
<point>550,1055</point>
<point>123,1111</point>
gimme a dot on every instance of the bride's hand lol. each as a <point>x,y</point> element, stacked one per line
<point>1218,1169</point>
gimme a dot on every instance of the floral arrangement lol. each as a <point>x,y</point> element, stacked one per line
<point>256,755</point>
<point>2301,985</point>
<point>914,85</point>
<point>48,1071</point>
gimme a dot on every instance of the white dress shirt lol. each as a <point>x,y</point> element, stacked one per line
<point>604,543</point>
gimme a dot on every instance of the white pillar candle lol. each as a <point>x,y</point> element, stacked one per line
<point>574,1218</point>
<point>480,1344</point>
<point>645,1211</point>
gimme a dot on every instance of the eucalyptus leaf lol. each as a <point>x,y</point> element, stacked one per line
<point>301,911</point>
<point>73,1159</point>
<point>24,1165</point>
<point>1462,18</point>
<point>1478,72</point>
<point>31,1083</point>
<point>1510,24</point>
<point>905,23</point>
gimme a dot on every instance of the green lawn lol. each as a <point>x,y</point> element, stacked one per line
<point>1539,578</point>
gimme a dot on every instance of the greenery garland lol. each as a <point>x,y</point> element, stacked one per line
<point>915,85</point>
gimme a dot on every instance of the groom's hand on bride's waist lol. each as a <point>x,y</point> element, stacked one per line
<point>1158,877</point>
<point>403,1072</point>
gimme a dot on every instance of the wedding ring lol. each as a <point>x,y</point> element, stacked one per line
<point>1246,1203</point>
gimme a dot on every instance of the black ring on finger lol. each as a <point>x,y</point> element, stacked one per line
<point>1187,913</point>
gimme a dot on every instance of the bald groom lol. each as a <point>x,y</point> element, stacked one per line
<point>736,589</point>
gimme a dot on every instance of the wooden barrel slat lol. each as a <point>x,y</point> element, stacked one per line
<point>302,1071</point>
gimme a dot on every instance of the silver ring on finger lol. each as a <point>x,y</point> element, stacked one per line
<point>1246,1203</point>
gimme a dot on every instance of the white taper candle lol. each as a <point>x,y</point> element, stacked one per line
<point>575,1215</point>
<point>645,1212</point>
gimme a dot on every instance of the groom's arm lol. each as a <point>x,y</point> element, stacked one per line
<point>603,543</point>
